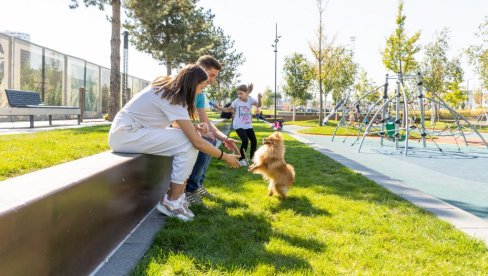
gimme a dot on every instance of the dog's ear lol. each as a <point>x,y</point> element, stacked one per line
<point>278,135</point>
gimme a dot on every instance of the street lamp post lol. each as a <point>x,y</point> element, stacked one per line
<point>275,45</point>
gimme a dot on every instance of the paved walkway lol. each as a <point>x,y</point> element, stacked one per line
<point>22,127</point>
<point>451,184</point>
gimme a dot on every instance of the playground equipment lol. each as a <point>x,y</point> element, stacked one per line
<point>400,116</point>
<point>482,117</point>
<point>334,110</point>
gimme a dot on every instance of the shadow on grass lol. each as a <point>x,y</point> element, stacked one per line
<point>225,238</point>
<point>308,244</point>
<point>299,205</point>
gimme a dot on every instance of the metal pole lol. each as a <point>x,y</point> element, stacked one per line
<point>43,76</point>
<point>321,118</point>
<point>422,115</point>
<point>383,111</point>
<point>405,116</point>
<point>125,94</point>
<point>276,67</point>
<point>397,111</point>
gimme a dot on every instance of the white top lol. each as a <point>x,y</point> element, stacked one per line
<point>243,116</point>
<point>148,110</point>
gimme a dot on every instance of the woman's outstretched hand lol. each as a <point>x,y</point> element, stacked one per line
<point>230,144</point>
<point>232,160</point>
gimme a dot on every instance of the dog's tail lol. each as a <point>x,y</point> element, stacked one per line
<point>292,170</point>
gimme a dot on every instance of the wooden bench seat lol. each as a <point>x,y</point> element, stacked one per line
<point>28,103</point>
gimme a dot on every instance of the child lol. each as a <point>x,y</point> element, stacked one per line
<point>278,124</point>
<point>242,123</point>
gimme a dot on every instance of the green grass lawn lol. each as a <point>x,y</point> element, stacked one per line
<point>24,153</point>
<point>314,128</point>
<point>213,115</point>
<point>335,221</point>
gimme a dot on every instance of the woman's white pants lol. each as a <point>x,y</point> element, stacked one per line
<point>158,141</point>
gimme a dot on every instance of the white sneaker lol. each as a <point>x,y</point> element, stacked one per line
<point>243,163</point>
<point>186,206</point>
<point>173,208</point>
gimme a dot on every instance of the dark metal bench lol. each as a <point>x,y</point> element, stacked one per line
<point>27,103</point>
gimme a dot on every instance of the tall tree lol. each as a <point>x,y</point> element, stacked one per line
<point>172,31</point>
<point>318,53</point>
<point>114,99</point>
<point>478,54</point>
<point>400,50</point>
<point>268,97</point>
<point>342,77</point>
<point>441,75</point>
<point>365,85</point>
<point>298,78</point>
<point>223,50</point>
<point>338,69</point>
<point>455,96</point>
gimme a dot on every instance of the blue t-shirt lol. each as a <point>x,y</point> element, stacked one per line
<point>200,101</point>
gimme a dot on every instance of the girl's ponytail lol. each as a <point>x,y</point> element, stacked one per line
<point>249,88</point>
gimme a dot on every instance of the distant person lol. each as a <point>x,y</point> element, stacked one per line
<point>226,115</point>
<point>278,124</point>
<point>259,115</point>
<point>242,123</point>
<point>142,126</point>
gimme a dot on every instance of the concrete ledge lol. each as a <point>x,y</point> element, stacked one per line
<point>126,256</point>
<point>66,219</point>
<point>128,253</point>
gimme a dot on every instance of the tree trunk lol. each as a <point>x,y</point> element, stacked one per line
<point>433,113</point>
<point>114,102</point>
<point>321,118</point>
<point>168,69</point>
<point>294,108</point>
<point>336,114</point>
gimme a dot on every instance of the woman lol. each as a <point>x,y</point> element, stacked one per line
<point>143,126</point>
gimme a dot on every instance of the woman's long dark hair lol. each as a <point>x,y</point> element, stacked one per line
<point>181,90</point>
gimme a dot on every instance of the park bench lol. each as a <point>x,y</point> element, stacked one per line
<point>27,103</point>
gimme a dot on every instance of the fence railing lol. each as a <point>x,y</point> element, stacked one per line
<point>56,76</point>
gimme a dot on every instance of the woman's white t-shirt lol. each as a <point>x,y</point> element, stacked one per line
<point>243,116</point>
<point>148,110</point>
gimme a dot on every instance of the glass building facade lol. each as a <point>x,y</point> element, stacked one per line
<point>56,76</point>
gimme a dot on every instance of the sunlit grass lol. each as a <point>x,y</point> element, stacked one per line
<point>335,221</point>
<point>23,153</point>
<point>212,115</point>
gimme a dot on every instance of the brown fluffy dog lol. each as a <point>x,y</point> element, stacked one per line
<point>269,161</point>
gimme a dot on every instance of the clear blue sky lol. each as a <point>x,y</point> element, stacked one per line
<point>85,32</point>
